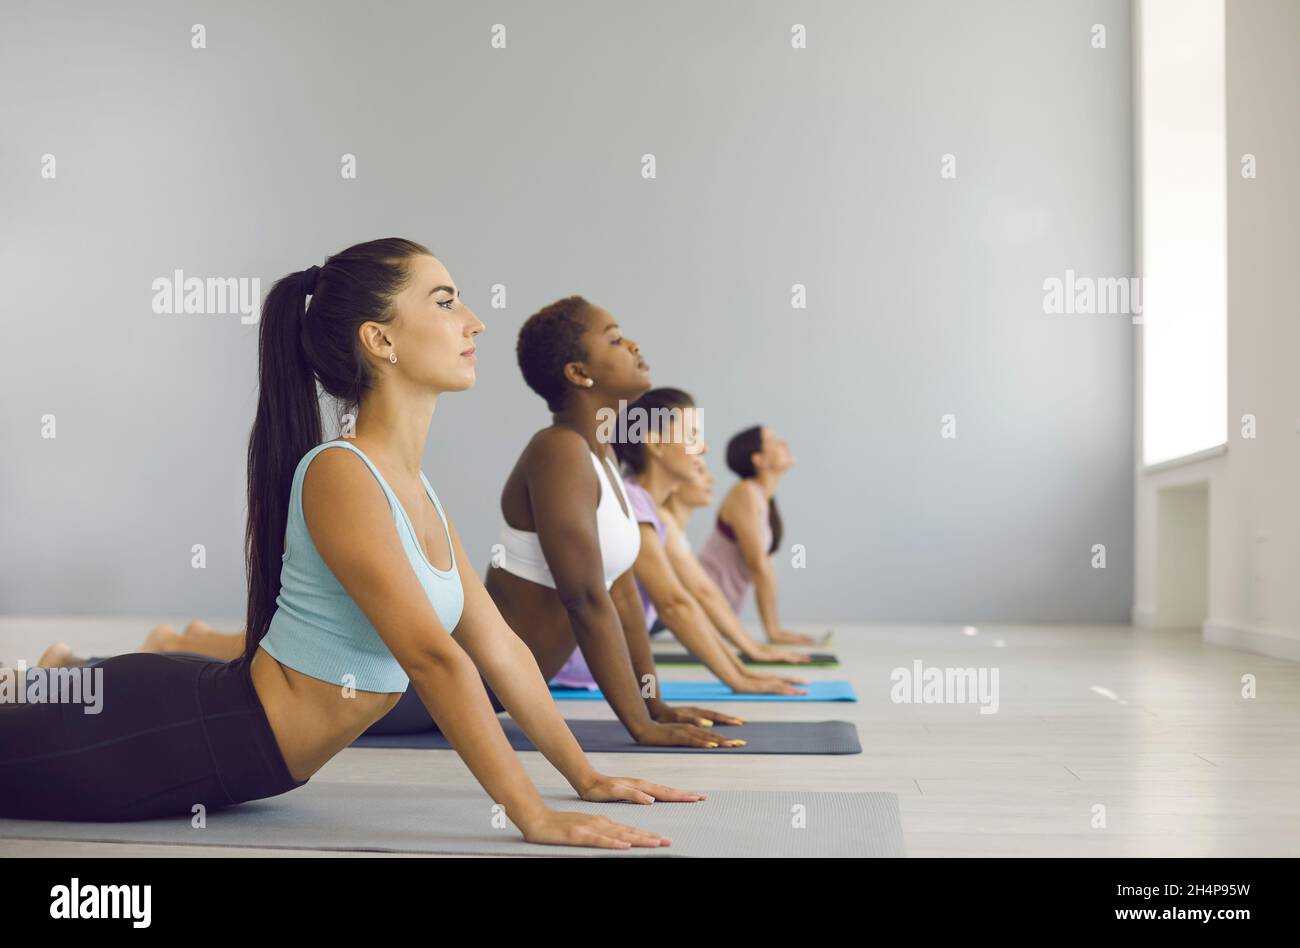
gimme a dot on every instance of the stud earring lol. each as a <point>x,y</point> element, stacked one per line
<point>392,357</point>
<point>589,383</point>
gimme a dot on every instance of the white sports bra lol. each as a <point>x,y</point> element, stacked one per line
<point>520,552</point>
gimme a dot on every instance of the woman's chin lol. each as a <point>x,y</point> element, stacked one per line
<point>464,381</point>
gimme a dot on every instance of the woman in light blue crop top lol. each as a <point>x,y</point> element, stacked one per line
<point>357,585</point>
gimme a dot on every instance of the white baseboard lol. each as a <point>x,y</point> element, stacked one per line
<point>1271,642</point>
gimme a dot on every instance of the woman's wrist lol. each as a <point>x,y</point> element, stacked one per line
<point>584,780</point>
<point>735,679</point>
<point>527,813</point>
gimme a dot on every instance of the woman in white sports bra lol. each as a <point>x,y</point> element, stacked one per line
<point>561,570</point>
<point>520,552</point>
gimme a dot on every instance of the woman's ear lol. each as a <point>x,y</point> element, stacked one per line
<point>576,374</point>
<point>654,445</point>
<point>373,339</point>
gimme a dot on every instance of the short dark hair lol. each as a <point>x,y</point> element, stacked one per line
<point>548,340</point>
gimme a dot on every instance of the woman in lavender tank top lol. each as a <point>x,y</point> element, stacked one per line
<point>659,457</point>
<point>738,553</point>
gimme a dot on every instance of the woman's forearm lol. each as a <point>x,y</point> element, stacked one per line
<point>631,615</point>
<point>724,618</point>
<point>694,630</point>
<point>517,681</point>
<point>600,635</point>
<point>453,693</point>
<point>765,595</point>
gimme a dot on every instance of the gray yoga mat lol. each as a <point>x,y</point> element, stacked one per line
<point>763,737</point>
<point>407,818</point>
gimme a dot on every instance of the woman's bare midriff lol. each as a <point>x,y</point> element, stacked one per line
<point>311,719</point>
<point>536,615</point>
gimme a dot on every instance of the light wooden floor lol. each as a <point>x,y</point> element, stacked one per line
<point>1182,763</point>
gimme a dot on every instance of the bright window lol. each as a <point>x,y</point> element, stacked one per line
<point>1183,228</point>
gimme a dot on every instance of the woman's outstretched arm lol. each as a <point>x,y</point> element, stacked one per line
<point>510,668</point>
<point>700,584</point>
<point>683,615</point>
<point>627,600</point>
<point>351,525</point>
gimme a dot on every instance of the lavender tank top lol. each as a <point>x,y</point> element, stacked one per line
<point>645,511</point>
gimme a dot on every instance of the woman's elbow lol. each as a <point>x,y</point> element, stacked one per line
<point>434,661</point>
<point>675,607</point>
<point>584,601</point>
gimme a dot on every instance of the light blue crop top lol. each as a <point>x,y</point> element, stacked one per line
<point>318,629</point>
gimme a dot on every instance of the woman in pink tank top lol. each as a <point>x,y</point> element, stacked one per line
<point>738,553</point>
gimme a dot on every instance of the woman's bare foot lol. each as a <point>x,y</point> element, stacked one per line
<point>161,639</point>
<point>198,627</point>
<point>59,655</point>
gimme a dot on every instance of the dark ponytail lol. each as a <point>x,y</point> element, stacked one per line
<point>740,458</point>
<point>657,405</point>
<point>299,345</point>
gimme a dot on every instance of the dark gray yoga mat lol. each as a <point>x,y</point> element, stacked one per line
<point>408,818</point>
<point>763,737</point>
<point>816,660</point>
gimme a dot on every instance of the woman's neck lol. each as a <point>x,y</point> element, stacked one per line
<point>594,419</point>
<point>680,513</point>
<point>657,482</point>
<point>396,427</point>
<point>766,481</point>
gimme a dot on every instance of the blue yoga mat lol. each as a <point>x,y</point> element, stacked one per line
<point>717,691</point>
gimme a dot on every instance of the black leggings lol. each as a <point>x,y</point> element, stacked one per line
<point>173,731</point>
<point>408,716</point>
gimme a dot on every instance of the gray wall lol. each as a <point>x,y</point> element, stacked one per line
<point>522,166</point>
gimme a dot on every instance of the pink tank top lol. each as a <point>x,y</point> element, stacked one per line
<point>722,560</point>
